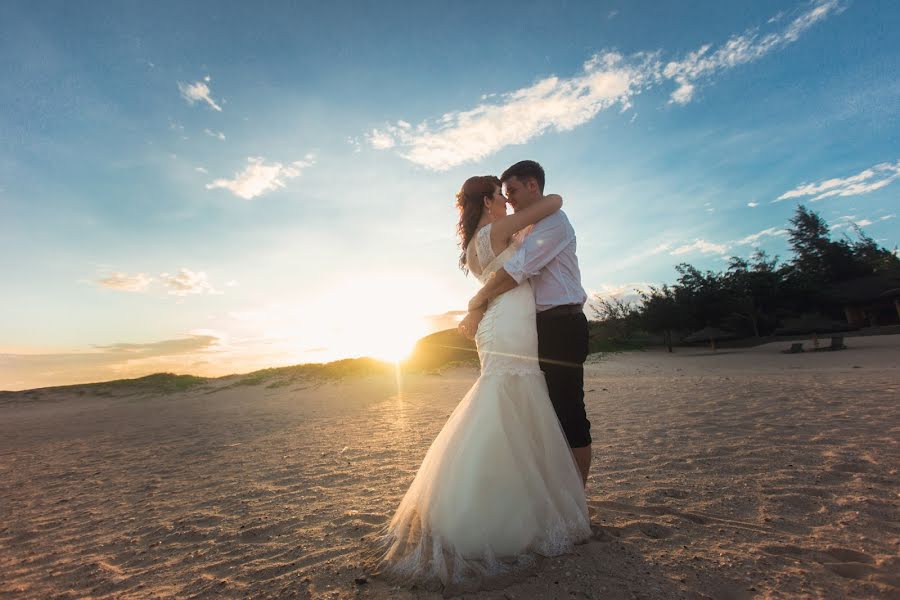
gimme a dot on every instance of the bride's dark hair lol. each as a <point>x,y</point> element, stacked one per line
<point>470,202</point>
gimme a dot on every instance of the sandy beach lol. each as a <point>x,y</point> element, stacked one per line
<point>736,474</point>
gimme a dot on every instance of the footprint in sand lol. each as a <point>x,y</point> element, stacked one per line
<point>846,563</point>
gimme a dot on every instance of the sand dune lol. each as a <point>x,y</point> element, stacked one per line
<point>740,474</point>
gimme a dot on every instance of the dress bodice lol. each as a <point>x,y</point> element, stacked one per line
<point>489,262</point>
<point>507,335</point>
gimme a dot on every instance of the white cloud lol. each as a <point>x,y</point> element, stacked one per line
<point>755,237</point>
<point>849,220</point>
<point>628,293</point>
<point>623,291</point>
<point>124,282</point>
<point>187,282</point>
<point>259,177</point>
<point>381,140</point>
<point>868,180</point>
<point>561,104</point>
<point>216,134</point>
<point>753,204</point>
<point>660,249</point>
<point>886,217</point>
<point>201,170</point>
<point>550,104</point>
<point>841,222</point>
<point>739,50</point>
<point>198,91</point>
<point>701,246</point>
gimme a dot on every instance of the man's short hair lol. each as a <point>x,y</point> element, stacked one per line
<point>523,169</point>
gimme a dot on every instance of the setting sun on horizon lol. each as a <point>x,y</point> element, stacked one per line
<point>380,315</point>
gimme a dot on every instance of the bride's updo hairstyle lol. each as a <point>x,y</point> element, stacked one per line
<point>470,202</point>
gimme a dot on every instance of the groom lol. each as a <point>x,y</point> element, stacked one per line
<point>547,258</point>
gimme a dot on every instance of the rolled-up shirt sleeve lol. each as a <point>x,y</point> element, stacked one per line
<point>548,238</point>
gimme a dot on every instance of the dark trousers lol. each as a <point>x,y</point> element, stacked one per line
<point>562,350</point>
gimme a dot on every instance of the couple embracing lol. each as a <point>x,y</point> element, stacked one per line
<point>504,479</point>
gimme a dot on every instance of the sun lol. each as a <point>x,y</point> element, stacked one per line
<point>379,315</point>
<point>397,348</point>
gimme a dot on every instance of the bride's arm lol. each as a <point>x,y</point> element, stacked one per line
<point>499,283</point>
<point>503,229</point>
<point>468,327</point>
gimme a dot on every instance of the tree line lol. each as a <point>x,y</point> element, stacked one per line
<point>750,298</point>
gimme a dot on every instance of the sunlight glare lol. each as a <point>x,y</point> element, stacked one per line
<point>380,315</point>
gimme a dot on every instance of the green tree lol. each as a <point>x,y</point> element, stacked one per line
<point>660,312</point>
<point>753,289</point>
<point>619,316</point>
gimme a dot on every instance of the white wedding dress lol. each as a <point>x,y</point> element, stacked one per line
<point>499,484</point>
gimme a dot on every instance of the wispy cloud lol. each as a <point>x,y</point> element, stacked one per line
<point>705,247</point>
<point>192,343</point>
<point>755,237</point>
<point>124,282</point>
<point>849,221</point>
<point>187,282</point>
<point>259,177</point>
<point>100,363</point>
<point>701,246</point>
<point>753,204</point>
<point>739,50</point>
<point>550,104</point>
<point>216,134</point>
<point>627,292</point>
<point>658,249</point>
<point>198,92</point>
<point>841,222</point>
<point>869,180</point>
<point>560,104</point>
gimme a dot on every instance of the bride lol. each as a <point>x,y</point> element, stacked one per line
<point>499,484</point>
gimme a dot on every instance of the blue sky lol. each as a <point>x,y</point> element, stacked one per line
<point>214,187</point>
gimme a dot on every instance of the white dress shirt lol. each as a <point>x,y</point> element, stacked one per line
<point>547,258</point>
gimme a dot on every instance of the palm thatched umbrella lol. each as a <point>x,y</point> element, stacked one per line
<point>709,334</point>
